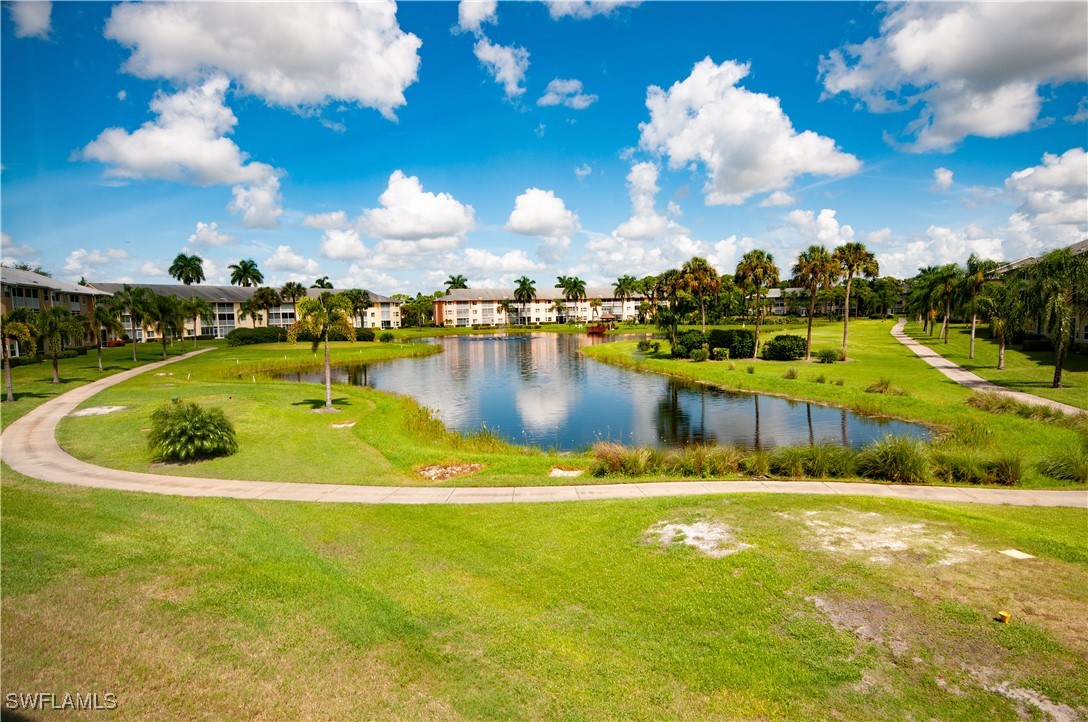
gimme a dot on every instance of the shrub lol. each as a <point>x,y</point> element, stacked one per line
<point>959,464</point>
<point>732,366</point>
<point>364,334</point>
<point>25,360</point>
<point>740,342</point>
<point>720,354</point>
<point>788,461</point>
<point>1005,468</point>
<point>686,342</point>
<point>791,374</point>
<point>248,336</point>
<point>828,355</point>
<point>751,369</point>
<point>386,337</point>
<point>784,348</point>
<point>70,353</point>
<point>897,459</point>
<point>1070,464</point>
<point>999,403</point>
<point>829,460</point>
<point>840,382</point>
<point>183,431</point>
<point>756,463</point>
<point>699,355</point>
<point>884,386</point>
<point>821,379</point>
<point>648,346</point>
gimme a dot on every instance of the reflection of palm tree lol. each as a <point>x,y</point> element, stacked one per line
<point>759,440</point>
<point>808,417</point>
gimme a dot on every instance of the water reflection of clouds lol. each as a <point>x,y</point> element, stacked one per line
<point>544,408</point>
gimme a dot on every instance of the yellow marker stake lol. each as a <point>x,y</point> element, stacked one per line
<point>1004,617</point>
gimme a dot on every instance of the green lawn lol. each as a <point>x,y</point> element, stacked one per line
<point>1032,372</point>
<point>230,609</point>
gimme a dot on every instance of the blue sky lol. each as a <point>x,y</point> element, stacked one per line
<point>389,146</point>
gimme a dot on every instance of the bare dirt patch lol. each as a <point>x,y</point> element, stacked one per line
<point>98,410</point>
<point>448,471</point>
<point>884,540</point>
<point>867,619</point>
<point>344,425</point>
<point>559,473</point>
<point>1025,698</point>
<point>709,537</point>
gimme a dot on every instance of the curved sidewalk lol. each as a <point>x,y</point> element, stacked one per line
<point>963,377</point>
<point>30,447</point>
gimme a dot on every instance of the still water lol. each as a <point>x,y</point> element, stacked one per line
<point>537,389</point>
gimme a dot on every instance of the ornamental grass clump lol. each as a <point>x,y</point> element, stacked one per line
<point>184,431</point>
<point>897,459</point>
<point>1070,464</point>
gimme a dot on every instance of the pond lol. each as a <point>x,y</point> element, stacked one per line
<point>537,389</point>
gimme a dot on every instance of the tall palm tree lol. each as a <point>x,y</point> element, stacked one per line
<point>322,282</point>
<point>625,287</point>
<point>921,296</point>
<point>574,289</point>
<point>103,317</point>
<point>16,325</point>
<point>265,299</point>
<point>815,269</point>
<point>947,285</point>
<point>247,309</point>
<point>57,325</point>
<point>506,306</point>
<point>134,300</point>
<point>647,286</point>
<point>293,291</point>
<point>196,309</point>
<point>454,282</point>
<point>1060,283</point>
<point>524,292</point>
<point>701,280</point>
<point>756,271</point>
<point>187,269</point>
<point>979,273</point>
<point>360,302</point>
<point>1006,306</point>
<point>854,260</point>
<point>318,316</point>
<point>559,308</point>
<point>245,273</point>
<point>167,316</point>
<point>595,308</point>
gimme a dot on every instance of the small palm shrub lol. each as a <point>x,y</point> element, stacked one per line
<point>647,346</point>
<point>897,459</point>
<point>1070,463</point>
<point>386,337</point>
<point>791,374</point>
<point>1006,468</point>
<point>184,431</point>
<point>751,369</point>
<point>821,379</point>
<point>699,355</point>
<point>840,382</point>
<point>828,355</point>
<point>959,464</point>
<point>884,386</point>
<point>756,463</point>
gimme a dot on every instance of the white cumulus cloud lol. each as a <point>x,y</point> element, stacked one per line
<point>582,9</point>
<point>332,219</point>
<point>778,198</point>
<point>969,68</point>
<point>822,228</point>
<point>568,93</point>
<point>542,214</point>
<point>208,234</point>
<point>744,139</point>
<point>343,244</point>
<point>937,246</point>
<point>32,18</point>
<point>942,180</point>
<point>258,203</point>
<point>583,170</point>
<point>506,63</point>
<point>80,262</point>
<point>290,54</point>
<point>286,260</point>
<point>1053,199</point>
<point>472,14</point>
<point>409,213</point>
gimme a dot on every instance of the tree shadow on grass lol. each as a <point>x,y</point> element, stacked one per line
<point>340,402</point>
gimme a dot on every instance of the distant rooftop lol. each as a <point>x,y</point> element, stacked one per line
<point>18,277</point>
<point>214,294</point>
<point>546,293</point>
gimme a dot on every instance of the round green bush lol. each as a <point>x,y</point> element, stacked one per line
<point>784,348</point>
<point>699,355</point>
<point>386,337</point>
<point>686,342</point>
<point>184,431</point>
<point>828,355</point>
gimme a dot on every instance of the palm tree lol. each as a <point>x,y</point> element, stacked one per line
<point>265,299</point>
<point>699,278</point>
<point>187,269</point>
<point>57,325</point>
<point>559,308</point>
<point>196,308</point>
<point>979,271</point>
<point>1005,305</point>
<point>946,287</point>
<point>457,281</point>
<point>293,291</point>
<point>132,299</point>
<point>854,259</point>
<point>360,302</point>
<point>245,273</point>
<point>17,325</point>
<point>815,269</point>
<point>318,316</point>
<point>247,309</point>
<point>755,271</point>
<point>524,292</point>
<point>103,318</point>
<point>625,287</point>
<point>595,308</point>
<point>574,289</point>
<point>506,306</point>
<point>1060,283</point>
<point>167,317</point>
<point>921,296</point>
<point>322,282</point>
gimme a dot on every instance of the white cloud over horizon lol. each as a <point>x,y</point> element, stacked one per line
<point>542,214</point>
<point>32,18</point>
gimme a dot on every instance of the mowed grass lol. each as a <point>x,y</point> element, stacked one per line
<point>1031,371</point>
<point>927,396</point>
<point>230,609</point>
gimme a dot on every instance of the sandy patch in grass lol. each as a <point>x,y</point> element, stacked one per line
<point>447,471</point>
<point>558,473</point>
<point>1025,698</point>
<point>98,410</point>
<point>344,425</point>
<point>709,537</point>
<point>866,618</point>
<point>884,540</point>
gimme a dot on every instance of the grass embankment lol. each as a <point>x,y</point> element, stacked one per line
<point>1030,371</point>
<point>279,437</point>
<point>840,608</point>
<point>876,357</point>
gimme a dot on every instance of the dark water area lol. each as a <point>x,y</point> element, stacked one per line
<point>537,389</point>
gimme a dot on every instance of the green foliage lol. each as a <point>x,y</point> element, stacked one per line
<point>784,348</point>
<point>896,459</point>
<point>248,336</point>
<point>648,346</point>
<point>751,369</point>
<point>1070,463</point>
<point>183,431</point>
<point>739,342</point>
<point>699,355</point>
<point>386,337</point>
<point>791,373</point>
<point>828,355</point>
<point>686,342</point>
<point>999,403</point>
<point>884,386</point>
<point>720,354</point>
<point>364,334</point>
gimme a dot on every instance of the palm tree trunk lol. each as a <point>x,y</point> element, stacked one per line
<point>1059,359</point>
<point>755,346</point>
<point>98,340</point>
<point>133,325</point>
<point>56,372</point>
<point>846,316</point>
<point>164,344</point>
<point>947,313</point>
<point>702,308</point>
<point>328,374</point>
<point>7,371</point>
<point>808,340</point>
<point>974,321</point>
<point>196,328</point>
<point>1001,353</point>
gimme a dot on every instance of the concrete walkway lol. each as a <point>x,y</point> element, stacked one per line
<point>30,447</point>
<point>963,377</point>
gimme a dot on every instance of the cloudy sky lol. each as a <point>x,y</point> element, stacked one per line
<point>388,146</point>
